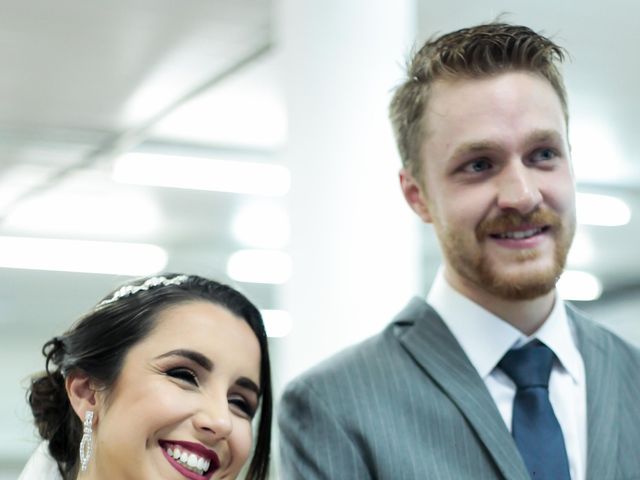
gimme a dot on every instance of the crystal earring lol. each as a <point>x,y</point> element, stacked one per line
<point>87,440</point>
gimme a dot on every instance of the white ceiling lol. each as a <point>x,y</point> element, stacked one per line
<point>84,82</point>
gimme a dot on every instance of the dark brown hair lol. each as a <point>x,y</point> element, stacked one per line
<point>475,52</point>
<point>98,343</point>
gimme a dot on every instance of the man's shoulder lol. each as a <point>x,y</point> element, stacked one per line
<point>603,339</point>
<point>374,357</point>
<point>351,359</point>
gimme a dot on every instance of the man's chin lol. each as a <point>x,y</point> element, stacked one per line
<point>518,292</point>
<point>527,286</point>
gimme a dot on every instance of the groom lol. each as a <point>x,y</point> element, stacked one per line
<point>492,376</point>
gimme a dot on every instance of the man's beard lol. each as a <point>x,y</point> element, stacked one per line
<point>474,265</point>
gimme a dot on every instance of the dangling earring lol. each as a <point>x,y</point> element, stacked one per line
<point>87,440</point>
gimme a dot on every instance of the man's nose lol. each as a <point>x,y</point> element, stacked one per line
<point>518,189</point>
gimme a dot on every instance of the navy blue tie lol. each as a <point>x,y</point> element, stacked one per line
<point>535,427</point>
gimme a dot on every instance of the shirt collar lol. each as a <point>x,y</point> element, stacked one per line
<point>485,338</point>
<point>559,335</point>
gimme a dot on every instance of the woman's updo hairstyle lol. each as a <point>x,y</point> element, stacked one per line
<point>98,343</point>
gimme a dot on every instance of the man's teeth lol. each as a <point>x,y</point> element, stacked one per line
<point>189,460</point>
<point>520,235</point>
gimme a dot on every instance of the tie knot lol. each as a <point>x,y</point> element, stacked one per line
<point>529,366</point>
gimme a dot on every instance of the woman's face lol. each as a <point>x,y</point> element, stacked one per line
<point>183,403</point>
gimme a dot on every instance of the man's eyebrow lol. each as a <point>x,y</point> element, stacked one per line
<point>483,146</point>
<point>248,384</point>
<point>192,355</point>
<point>544,136</point>
<point>474,147</point>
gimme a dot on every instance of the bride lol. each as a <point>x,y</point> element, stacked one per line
<point>161,380</point>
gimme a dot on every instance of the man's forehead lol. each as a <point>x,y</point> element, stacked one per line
<point>520,96</point>
<point>508,83</point>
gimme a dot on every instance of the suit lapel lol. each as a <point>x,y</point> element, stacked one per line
<point>602,397</point>
<point>435,349</point>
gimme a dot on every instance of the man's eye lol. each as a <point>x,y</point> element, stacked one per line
<point>243,405</point>
<point>184,374</point>
<point>480,165</point>
<point>543,155</point>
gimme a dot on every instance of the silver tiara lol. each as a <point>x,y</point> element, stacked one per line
<point>152,282</point>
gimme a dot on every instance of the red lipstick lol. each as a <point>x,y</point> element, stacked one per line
<point>195,448</point>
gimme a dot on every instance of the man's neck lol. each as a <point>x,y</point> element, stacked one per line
<point>525,315</point>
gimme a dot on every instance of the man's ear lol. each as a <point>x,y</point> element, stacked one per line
<point>82,394</point>
<point>414,195</point>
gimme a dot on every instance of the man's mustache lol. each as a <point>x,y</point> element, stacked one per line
<point>509,221</point>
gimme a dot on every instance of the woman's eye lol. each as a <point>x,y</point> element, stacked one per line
<point>184,374</point>
<point>243,405</point>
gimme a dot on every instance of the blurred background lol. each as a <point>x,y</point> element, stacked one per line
<point>248,141</point>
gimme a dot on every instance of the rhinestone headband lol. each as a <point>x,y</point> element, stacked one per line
<point>152,282</point>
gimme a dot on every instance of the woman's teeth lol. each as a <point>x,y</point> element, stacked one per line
<point>189,460</point>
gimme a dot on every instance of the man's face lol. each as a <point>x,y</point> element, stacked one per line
<point>497,183</point>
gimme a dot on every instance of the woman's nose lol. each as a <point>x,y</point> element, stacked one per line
<point>214,418</point>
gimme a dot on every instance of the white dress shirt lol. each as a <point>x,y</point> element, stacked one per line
<point>485,339</point>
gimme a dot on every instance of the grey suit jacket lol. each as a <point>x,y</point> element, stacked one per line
<point>408,404</point>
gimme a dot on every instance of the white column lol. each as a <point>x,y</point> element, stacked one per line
<point>354,240</point>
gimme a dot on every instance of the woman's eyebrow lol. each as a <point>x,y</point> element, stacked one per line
<point>248,384</point>
<point>207,364</point>
<point>192,355</point>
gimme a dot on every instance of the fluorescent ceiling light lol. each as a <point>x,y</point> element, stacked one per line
<point>277,323</point>
<point>61,213</point>
<point>248,111</point>
<point>262,225</point>
<point>582,251</point>
<point>199,173</point>
<point>18,180</point>
<point>601,210</point>
<point>577,285</point>
<point>259,266</point>
<point>113,258</point>
<point>591,142</point>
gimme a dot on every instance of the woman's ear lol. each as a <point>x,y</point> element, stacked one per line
<point>82,394</point>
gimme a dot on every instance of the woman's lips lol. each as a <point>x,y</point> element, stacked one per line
<point>194,456</point>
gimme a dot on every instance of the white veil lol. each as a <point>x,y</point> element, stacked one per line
<point>41,466</point>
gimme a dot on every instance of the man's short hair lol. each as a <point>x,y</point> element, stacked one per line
<point>476,52</point>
